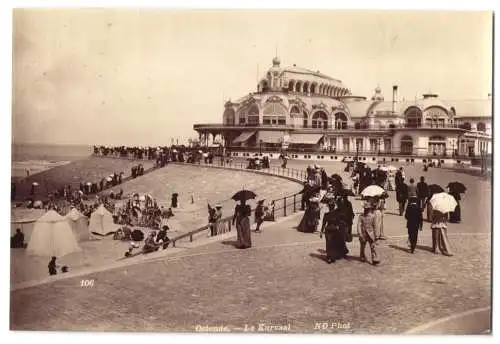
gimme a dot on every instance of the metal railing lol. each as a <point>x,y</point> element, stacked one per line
<point>416,153</point>
<point>283,206</point>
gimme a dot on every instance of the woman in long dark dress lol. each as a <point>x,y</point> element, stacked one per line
<point>310,220</point>
<point>334,227</point>
<point>241,218</point>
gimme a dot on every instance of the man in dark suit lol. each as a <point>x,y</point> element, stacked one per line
<point>422,192</point>
<point>413,217</point>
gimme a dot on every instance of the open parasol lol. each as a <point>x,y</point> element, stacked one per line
<point>457,187</point>
<point>434,189</point>
<point>244,195</point>
<point>372,191</point>
<point>443,202</point>
<point>336,176</point>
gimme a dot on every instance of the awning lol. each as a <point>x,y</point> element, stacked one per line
<point>305,139</point>
<point>244,136</point>
<point>270,136</point>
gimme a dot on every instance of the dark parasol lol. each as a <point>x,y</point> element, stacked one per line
<point>434,189</point>
<point>244,195</point>
<point>457,187</point>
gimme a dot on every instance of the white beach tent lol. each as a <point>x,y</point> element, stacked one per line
<point>101,222</point>
<point>52,236</point>
<point>79,224</point>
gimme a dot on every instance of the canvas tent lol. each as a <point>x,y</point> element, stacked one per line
<point>79,225</point>
<point>101,222</point>
<point>52,236</point>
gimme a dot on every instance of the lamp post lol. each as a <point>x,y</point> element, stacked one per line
<point>260,146</point>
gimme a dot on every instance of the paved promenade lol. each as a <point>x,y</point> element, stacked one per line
<point>284,280</point>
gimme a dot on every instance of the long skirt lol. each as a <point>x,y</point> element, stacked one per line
<point>429,212</point>
<point>243,227</point>
<point>440,240</point>
<point>455,216</point>
<point>335,244</point>
<point>379,223</point>
<point>309,222</point>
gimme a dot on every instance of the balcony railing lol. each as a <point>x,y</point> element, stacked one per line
<point>330,127</point>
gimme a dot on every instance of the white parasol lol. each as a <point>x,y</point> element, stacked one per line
<point>389,168</point>
<point>109,179</point>
<point>443,202</point>
<point>89,183</point>
<point>372,191</point>
<point>35,184</point>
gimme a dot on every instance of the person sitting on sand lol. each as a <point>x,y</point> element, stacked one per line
<point>53,266</point>
<point>150,244</point>
<point>17,240</point>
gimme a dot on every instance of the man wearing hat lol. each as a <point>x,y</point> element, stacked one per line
<point>259,214</point>
<point>367,232</point>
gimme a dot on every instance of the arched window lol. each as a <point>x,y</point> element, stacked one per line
<point>305,119</point>
<point>437,146</point>
<point>413,117</point>
<point>406,145</point>
<point>320,120</point>
<point>291,85</point>
<point>305,88</point>
<point>229,117</point>
<point>295,111</point>
<point>340,120</point>
<point>481,127</point>
<point>264,86</point>
<point>274,114</point>
<point>314,88</point>
<point>253,115</point>
<point>298,86</point>
<point>357,125</point>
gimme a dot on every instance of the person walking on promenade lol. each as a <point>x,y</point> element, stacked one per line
<point>422,193</point>
<point>334,227</point>
<point>412,189</point>
<point>259,215</point>
<point>241,218</point>
<point>345,206</point>
<point>378,212</point>
<point>367,233</point>
<point>401,197</point>
<point>413,216</point>
<point>439,233</point>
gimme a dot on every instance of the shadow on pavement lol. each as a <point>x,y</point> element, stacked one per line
<point>424,248</point>
<point>230,242</point>
<point>318,256</point>
<point>404,249</point>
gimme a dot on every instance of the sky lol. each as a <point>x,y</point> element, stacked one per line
<point>144,77</point>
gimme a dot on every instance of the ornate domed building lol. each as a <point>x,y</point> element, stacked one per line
<point>306,112</point>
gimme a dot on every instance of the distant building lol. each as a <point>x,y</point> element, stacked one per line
<point>299,110</point>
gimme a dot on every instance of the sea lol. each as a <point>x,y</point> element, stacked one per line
<point>36,158</point>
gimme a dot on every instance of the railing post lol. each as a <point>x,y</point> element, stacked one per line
<point>284,206</point>
<point>191,238</point>
<point>294,207</point>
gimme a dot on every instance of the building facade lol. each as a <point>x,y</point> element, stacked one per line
<point>300,111</point>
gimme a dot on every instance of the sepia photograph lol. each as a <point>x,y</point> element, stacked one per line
<point>251,171</point>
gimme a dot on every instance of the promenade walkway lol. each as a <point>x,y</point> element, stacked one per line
<point>283,280</point>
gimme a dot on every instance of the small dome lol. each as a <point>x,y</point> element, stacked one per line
<point>378,96</point>
<point>276,61</point>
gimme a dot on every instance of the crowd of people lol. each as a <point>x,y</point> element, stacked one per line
<point>413,200</point>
